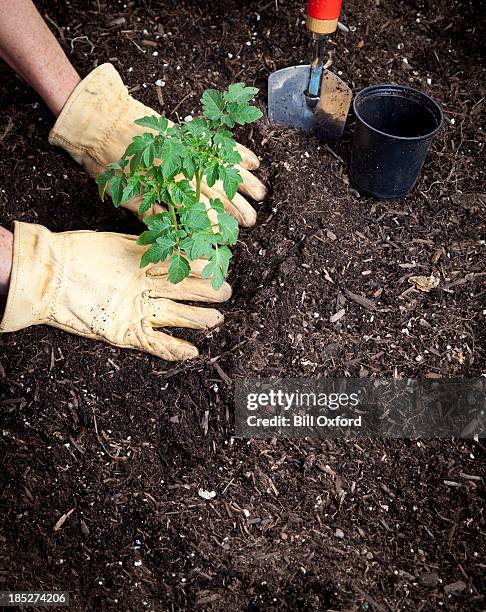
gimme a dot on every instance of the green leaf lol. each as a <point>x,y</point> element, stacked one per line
<point>197,127</point>
<point>179,269</point>
<point>224,257</point>
<point>159,124</point>
<point>159,221</point>
<point>243,113</point>
<point>217,268</point>
<point>137,148</point>
<point>228,121</point>
<point>228,228</point>
<point>166,242</point>
<point>215,273</point>
<point>118,165</point>
<point>230,157</point>
<point>188,164</point>
<point>238,92</point>
<point>148,237</point>
<point>212,173</point>
<point>171,158</point>
<point>183,193</point>
<point>148,155</point>
<point>202,245</point>
<point>131,190</point>
<point>196,217</point>
<point>158,251</point>
<point>224,141</point>
<point>217,205</point>
<point>231,179</point>
<point>148,200</point>
<point>117,185</point>
<point>227,147</point>
<point>212,103</point>
<point>163,124</point>
<point>217,278</point>
<point>102,181</point>
<point>186,245</point>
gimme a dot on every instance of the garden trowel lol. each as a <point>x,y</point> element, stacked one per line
<point>311,97</point>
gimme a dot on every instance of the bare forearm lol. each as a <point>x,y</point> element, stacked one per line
<point>6,250</point>
<point>30,48</point>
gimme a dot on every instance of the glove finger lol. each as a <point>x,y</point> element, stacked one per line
<point>161,312</point>
<point>163,345</point>
<point>240,208</point>
<point>192,289</point>
<point>251,186</point>
<point>248,159</point>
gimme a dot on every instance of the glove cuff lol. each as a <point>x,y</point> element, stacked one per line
<point>35,283</point>
<point>96,123</point>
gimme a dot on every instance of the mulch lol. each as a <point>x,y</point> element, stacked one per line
<point>104,452</point>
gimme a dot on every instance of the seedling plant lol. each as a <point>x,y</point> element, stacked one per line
<point>167,166</point>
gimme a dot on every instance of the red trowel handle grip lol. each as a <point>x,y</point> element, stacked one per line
<point>323,15</point>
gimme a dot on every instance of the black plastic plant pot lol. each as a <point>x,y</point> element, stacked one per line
<point>394,127</point>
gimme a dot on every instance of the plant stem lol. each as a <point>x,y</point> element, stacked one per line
<point>198,175</point>
<point>174,221</point>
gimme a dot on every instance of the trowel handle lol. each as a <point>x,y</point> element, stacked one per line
<point>323,15</point>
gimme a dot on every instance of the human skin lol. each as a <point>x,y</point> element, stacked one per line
<point>30,48</point>
<point>6,248</point>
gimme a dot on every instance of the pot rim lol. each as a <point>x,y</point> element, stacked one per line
<point>392,89</point>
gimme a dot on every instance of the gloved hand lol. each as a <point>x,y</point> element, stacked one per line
<point>91,284</point>
<point>97,124</point>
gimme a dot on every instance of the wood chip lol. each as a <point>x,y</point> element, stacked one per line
<point>470,477</point>
<point>116,22</point>
<point>63,519</point>
<point>15,400</point>
<point>424,283</point>
<point>361,300</point>
<point>84,528</point>
<point>337,316</point>
<point>455,587</point>
<point>429,579</point>
<point>208,599</point>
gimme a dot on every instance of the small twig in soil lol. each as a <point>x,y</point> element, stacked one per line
<point>335,155</point>
<point>138,46</point>
<point>361,300</point>
<point>15,400</point>
<point>224,377</point>
<point>73,40</point>
<point>160,97</point>
<point>7,129</point>
<point>179,103</point>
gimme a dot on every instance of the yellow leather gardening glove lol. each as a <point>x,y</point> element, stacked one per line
<point>97,124</point>
<point>91,284</point>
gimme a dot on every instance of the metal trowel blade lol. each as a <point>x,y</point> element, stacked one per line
<point>287,103</point>
<point>332,109</point>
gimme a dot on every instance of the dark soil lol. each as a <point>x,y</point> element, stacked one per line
<point>125,441</point>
